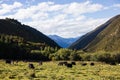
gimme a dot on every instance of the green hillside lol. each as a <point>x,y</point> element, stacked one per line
<point>104,38</point>
<point>108,39</point>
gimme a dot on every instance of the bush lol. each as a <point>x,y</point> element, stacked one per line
<point>65,54</point>
<point>116,57</point>
<point>103,57</point>
<point>75,56</point>
<point>86,57</point>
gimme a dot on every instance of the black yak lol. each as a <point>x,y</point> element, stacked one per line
<point>92,64</point>
<point>62,63</point>
<point>69,65</point>
<point>31,66</point>
<point>83,64</point>
<point>73,63</point>
<point>8,61</point>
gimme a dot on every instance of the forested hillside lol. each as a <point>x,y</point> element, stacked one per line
<point>15,28</point>
<point>19,41</point>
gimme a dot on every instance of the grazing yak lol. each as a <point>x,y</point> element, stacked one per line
<point>62,63</point>
<point>31,66</point>
<point>69,65</point>
<point>73,63</point>
<point>112,63</point>
<point>92,64</point>
<point>83,64</point>
<point>8,61</point>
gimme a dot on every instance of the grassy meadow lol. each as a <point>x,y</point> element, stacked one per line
<point>51,71</point>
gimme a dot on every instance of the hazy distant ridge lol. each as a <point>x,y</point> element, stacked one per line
<point>63,42</point>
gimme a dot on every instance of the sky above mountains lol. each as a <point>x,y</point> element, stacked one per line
<point>66,18</point>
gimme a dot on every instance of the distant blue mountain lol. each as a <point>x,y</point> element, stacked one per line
<point>63,42</point>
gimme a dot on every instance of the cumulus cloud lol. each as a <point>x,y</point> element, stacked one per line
<point>80,8</point>
<point>5,8</point>
<point>66,20</point>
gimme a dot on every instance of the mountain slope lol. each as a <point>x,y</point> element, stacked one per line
<point>15,28</point>
<point>63,42</point>
<point>94,40</point>
<point>108,39</point>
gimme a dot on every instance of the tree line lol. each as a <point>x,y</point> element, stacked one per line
<point>14,47</point>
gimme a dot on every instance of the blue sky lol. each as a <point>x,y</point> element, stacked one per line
<point>66,18</point>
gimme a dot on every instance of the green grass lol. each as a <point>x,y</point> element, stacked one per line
<point>51,71</point>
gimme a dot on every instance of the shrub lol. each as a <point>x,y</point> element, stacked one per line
<point>75,56</point>
<point>103,57</point>
<point>86,57</point>
<point>116,57</point>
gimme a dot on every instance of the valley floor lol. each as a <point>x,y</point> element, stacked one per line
<point>51,71</point>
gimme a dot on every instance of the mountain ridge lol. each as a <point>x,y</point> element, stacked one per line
<point>13,27</point>
<point>63,42</point>
<point>108,39</point>
<point>90,38</point>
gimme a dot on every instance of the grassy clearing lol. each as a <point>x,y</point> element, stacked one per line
<point>51,71</point>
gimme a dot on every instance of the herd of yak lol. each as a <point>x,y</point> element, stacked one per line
<point>62,63</point>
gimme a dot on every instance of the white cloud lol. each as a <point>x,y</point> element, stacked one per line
<point>67,28</point>
<point>116,5</point>
<point>80,8</point>
<point>67,20</point>
<point>5,8</point>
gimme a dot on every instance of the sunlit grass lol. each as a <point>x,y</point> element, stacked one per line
<point>51,71</point>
